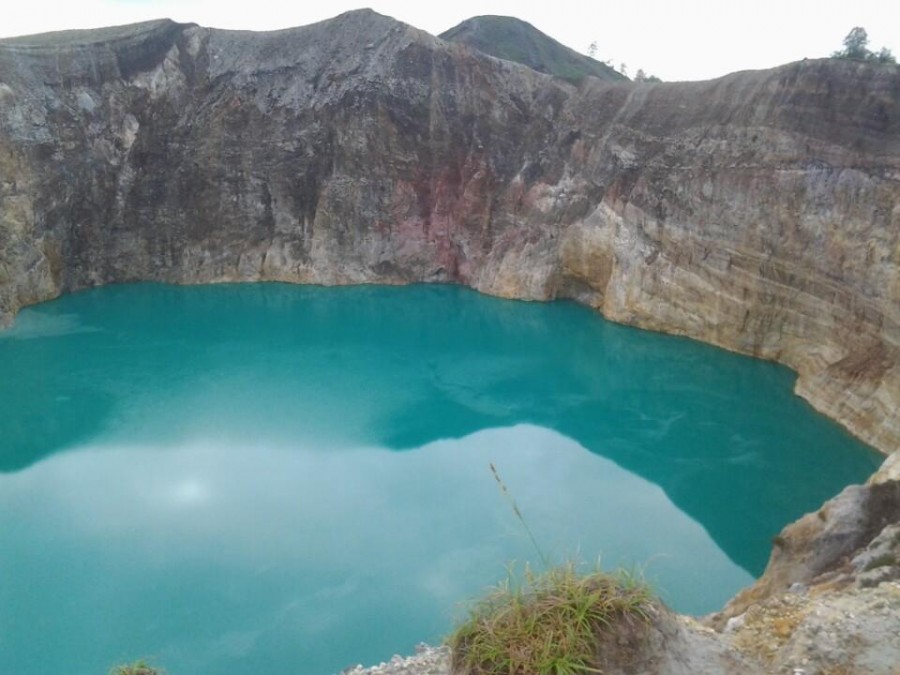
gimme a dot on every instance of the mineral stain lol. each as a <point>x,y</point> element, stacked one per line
<point>241,478</point>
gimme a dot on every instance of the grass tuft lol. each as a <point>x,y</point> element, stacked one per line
<point>137,668</point>
<point>549,623</point>
<point>507,495</point>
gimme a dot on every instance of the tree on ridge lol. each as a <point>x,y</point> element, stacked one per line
<point>856,47</point>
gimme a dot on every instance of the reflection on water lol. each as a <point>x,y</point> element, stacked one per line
<point>298,555</point>
<point>211,476</point>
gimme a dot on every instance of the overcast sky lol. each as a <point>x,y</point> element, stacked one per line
<point>673,39</point>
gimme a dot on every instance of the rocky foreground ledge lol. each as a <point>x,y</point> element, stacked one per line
<point>828,603</point>
<point>428,660</point>
<point>853,632</point>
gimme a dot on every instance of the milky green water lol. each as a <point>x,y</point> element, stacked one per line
<point>236,480</point>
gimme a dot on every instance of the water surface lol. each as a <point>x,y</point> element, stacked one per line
<point>233,480</point>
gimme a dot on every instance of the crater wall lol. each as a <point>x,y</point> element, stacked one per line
<point>758,211</point>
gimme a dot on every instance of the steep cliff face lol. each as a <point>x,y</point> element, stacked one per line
<point>767,223</point>
<point>758,212</point>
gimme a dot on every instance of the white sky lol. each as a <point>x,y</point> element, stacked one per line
<point>673,39</point>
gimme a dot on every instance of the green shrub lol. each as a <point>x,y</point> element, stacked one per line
<point>856,47</point>
<point>547,624</point>
<point>140,667</point>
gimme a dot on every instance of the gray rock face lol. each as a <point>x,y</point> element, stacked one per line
<point>829,600</point>
<point>758,211</point>
<point>853,535</point>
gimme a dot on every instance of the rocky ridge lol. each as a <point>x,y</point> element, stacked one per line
<point>509,38</point>
<point>758,211</point>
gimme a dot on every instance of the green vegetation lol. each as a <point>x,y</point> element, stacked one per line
<point>140,667</point>
<point>515,507</point>
<point>856,47</point>
<point>551,623</point>
<point>641,76</point>
<point>512,39</point>
<point>547,623</point>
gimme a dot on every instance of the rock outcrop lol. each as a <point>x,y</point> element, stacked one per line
<point>829,600</point>
<point>758,211</point>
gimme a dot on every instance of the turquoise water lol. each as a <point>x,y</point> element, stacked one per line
<point>243,479</point>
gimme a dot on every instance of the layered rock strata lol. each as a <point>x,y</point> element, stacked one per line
<point>758,211</point>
